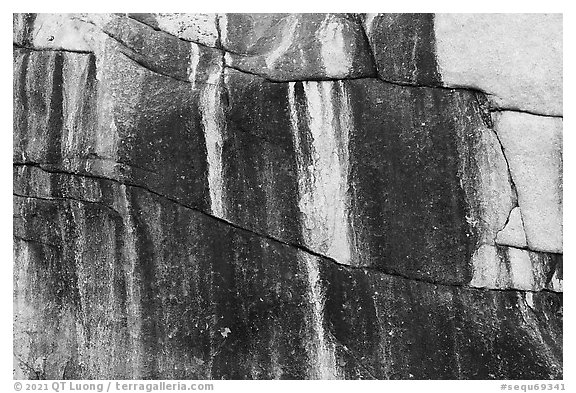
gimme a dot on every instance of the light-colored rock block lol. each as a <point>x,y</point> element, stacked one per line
<point>533,148</point>
<point>513,233</point>
<point>516,58</point>
<point>499,267</point>
<point>56,31</point>
<point>199,28</point>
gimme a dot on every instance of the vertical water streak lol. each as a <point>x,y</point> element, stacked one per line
<point>323,356</point>
<point>321,350</point>
<point>211,111</point>
<point>134,296</point>
<point>70,105</point>
<point>336,59</point>
<point>221,21</point>
<point>342,236</point>
<point>193,64</point>
<point>323,183</point>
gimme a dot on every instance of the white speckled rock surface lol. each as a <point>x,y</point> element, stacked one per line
<point>533,148</point>
<point>513,233</point>
<point>515,58</point>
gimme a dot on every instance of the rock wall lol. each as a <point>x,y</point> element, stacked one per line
<point>290,196</point>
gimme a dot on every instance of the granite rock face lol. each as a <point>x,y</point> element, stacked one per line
<point>283,196</point>
<point>533,147</point>
<point>515,58</point>
<point>409,56</point>
<point>285,47</point>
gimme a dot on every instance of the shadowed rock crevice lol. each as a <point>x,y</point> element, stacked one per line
<point>31,48</point>
<point>533,113</point>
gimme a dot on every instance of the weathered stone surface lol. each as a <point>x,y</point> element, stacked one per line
<point>111,34</point>
<point>259,166</point>
<point>502,267</point>
<point>392,171</point>
<point>515,58</point>
<point>182,211</point>
<point>533,147</point>
<point>132,124</point>
<point>154,287</point>
<point>513,233</point>
<point>199,28</point>
<point>127,284</point>
<point>482,327</point>
<point>404,177</point>
<point>157,51</point>
<point>483,172</point>
<point>404,47</point>
<point>288,47</point>
<point>271,167</point>
<point>53,31</point>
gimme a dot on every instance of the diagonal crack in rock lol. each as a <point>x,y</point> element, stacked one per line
<point>272,238</point>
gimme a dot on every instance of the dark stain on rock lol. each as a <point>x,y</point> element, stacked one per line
<point>303,130</point>
<point>24,36</point>
<point>204,276</point>
<point>55,111</point>
<point>352,319</point>
<point>259,162</point>
<point>161,132</point>
<point>21,105</point>
<point>404,164</point>
<point>404,47</point>
<point>86,122</point>
<point>442,332</point>
<point>144,278</point>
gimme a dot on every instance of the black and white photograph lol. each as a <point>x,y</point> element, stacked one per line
<point>287,196</point>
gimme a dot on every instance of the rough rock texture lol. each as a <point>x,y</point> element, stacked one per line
<point>409,57</point>
<point>533,147</point>
<point>248,196</point>
<point>515,58</point>
<point>393,182</point>
<point>286,47</point>
<point>513,233</point>
<point>103,257</point>
<point>199,28</point>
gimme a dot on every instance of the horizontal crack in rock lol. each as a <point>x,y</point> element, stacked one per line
<point>148,67</point>
<point>35,49</point>
<point>65,198</point>
<point>504,109</point>
<point>276,80</point>
<point>374,77</point>
<point>306,79</point>
<point>58,246</point>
